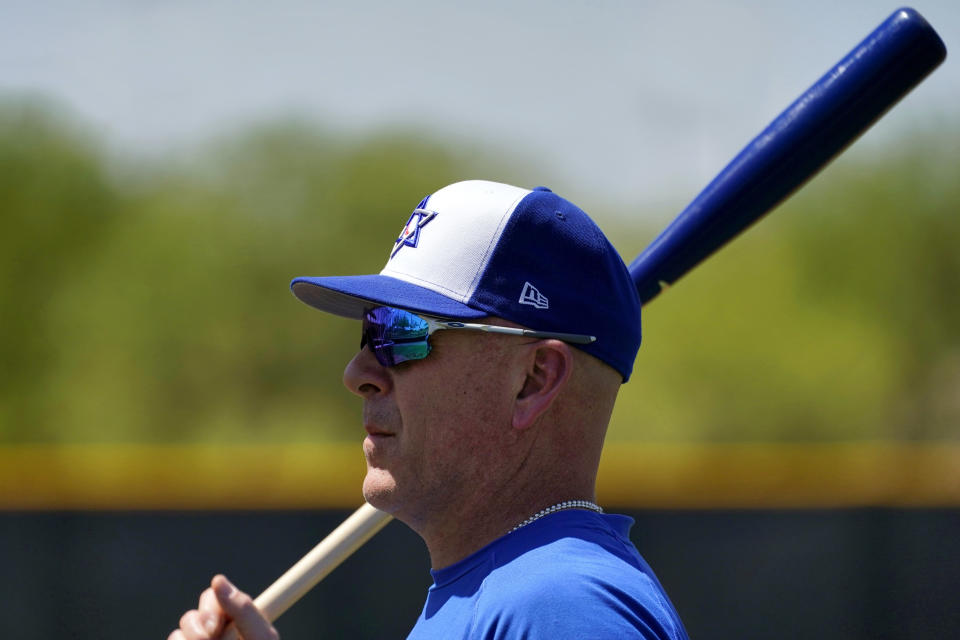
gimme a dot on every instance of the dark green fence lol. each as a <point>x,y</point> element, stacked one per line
<point>845,574</point>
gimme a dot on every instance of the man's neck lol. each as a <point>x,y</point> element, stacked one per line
<point>467,531</point>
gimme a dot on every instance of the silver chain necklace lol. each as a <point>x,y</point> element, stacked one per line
<point>560,506</point>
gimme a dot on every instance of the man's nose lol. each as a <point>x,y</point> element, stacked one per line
<point>364,375</point>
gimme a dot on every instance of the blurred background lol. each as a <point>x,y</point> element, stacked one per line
<point>789,443</point>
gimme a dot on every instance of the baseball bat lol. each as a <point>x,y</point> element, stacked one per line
<point>830,115</point>
<point>809,133</point>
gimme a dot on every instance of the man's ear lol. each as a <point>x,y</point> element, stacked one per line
<point>548,370</point>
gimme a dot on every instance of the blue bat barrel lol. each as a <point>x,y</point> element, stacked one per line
<point>795,146</point>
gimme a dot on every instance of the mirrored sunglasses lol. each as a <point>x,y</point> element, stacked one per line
<point>396,336</point>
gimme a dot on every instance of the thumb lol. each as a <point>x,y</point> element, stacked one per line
<point>240,608</point>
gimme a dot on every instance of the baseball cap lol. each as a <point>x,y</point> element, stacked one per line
<point>479,248</point>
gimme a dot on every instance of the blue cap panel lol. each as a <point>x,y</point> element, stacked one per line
<point>580,284</point>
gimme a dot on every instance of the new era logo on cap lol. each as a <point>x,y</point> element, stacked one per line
<point>531,296</point>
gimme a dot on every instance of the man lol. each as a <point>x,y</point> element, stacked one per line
<point>493,346</point>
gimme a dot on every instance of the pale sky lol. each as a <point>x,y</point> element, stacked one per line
<point>628,103</point>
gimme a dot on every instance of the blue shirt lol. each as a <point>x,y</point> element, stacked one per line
<point>571,574</point>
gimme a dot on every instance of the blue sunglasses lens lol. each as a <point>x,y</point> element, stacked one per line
<point>395,335</point>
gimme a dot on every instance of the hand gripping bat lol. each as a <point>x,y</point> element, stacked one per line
<point>813,130</point>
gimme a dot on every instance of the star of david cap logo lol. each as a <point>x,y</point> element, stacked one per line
<point>410,235</point>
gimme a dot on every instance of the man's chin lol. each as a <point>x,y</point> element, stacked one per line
<point>380,489</point>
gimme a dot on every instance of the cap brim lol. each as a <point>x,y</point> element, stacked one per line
<point>349,296</point>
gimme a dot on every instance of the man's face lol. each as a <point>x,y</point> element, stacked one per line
<point>438,429</point>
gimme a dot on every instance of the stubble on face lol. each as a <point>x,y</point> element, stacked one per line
<point>436,437</point>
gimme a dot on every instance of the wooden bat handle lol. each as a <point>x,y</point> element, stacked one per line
<point>317,564</point>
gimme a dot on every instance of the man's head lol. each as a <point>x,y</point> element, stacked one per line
<point>485,419</point>
<point>454,414</point>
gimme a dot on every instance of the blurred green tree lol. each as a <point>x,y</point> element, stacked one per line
<point>57,208</point>
<point>146,300</point>
<point>835,319</point>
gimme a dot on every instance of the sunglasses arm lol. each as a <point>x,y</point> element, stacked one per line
<point>575,338</point>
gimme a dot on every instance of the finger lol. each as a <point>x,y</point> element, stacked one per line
<point>176,635</point>
<point>198,625</point>
<point>208,602</point>
<point>212,615</point>
<point>239,607</point>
